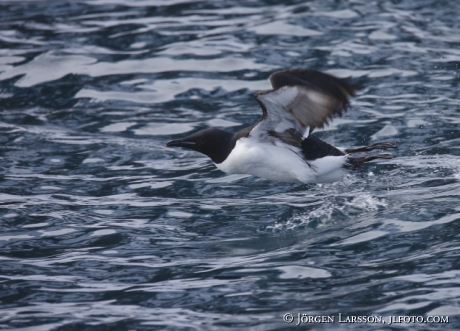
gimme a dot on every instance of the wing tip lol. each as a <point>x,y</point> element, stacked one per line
<point>313,79</point>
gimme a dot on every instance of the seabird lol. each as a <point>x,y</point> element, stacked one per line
<point>280,146</point>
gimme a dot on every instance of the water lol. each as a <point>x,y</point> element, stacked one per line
<point>102,227</point>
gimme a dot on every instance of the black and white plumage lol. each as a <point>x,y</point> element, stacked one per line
<point>280,145</point>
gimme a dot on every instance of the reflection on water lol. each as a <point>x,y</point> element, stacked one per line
<point>104,227</point>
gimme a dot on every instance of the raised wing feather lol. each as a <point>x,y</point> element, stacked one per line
<point>301,101</point>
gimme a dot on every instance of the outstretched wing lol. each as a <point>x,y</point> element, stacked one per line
<point>301,100</point>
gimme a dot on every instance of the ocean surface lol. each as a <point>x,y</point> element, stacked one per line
<point>104,228</point>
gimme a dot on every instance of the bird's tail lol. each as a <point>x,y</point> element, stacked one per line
<point>354,163</point>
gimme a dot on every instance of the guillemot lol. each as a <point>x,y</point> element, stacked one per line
<point>280,145</point>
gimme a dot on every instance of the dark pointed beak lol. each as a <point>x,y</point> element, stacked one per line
<point>180,143</point>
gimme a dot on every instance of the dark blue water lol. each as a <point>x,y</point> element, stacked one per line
<point>104,228</point>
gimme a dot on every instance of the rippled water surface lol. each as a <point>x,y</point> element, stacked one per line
<point>104,228</point>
